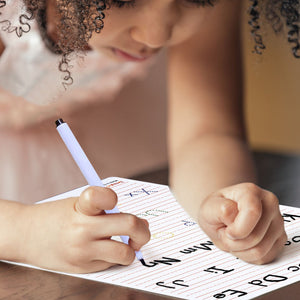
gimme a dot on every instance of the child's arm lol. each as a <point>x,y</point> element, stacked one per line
<point>207,145</point>
<point>70,235</point>
<point>2,47</point>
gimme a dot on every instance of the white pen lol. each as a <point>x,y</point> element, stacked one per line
<point>86,168</point>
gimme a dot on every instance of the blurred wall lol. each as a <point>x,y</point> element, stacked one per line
<point>272,83</point>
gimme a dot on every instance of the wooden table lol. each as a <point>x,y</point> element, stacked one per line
<point>280,173</point>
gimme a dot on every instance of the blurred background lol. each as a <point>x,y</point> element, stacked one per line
<point>272,83</point>
<point>272,110</point>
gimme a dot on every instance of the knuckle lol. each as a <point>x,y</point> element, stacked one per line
<point>282,240</point>
<point>125,254</point>
<point>131,222</point>
<point>254,198</point>
<point>272,201</point>
<point>252,242</point>
<point>280,222</point>
<point>147,237</point>
<point>254,209</point>
<point>258,254</point>
<point>252,188</point>
<point>78,231</point>
<point>77,235</point>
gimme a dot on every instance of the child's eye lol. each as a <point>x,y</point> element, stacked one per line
<point>124,3</point>
<point>200,3</point>
<point>131,3</point>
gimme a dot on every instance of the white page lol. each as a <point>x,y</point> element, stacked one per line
<point>198,270</point>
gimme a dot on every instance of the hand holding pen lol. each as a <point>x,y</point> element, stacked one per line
<point>72,235</point>
<point>93,179</point>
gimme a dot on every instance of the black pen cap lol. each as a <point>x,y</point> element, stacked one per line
<point>59,122</point>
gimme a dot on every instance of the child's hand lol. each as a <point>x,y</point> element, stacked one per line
<point>73,235</point>
<point>244,220</point>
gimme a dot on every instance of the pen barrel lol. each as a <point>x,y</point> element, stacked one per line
<point>85,166</point>
<point>81,159</point>
<point>78,155</point>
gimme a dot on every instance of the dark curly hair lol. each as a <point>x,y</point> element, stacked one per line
<point>282,15</point>
<point>78,20</point>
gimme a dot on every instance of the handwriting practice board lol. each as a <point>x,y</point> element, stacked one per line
<point>180,259</point>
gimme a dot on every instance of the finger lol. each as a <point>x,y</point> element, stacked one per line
<point>249,200</point>
<point>273,253</point>
<point>219,211</point>
<point>111,251</point>
<point>271,215</point>
<point>276,249</point>
<point>94,200</point>
<point>267,249</point>
<point>254,238</point>
<point>122,224</point>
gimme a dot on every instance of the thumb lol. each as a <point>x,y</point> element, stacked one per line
<point>94,200</point>
<point>219,210</point>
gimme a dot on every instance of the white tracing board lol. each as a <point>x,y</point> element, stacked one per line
<point>180,259</point>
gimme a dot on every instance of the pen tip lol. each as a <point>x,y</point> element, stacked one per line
<point>59,122</point>
<point>142,261</point>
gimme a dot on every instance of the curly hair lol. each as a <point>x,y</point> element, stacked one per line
<point>283,15</point>
<point>80,18</point>
<point>77,21</point>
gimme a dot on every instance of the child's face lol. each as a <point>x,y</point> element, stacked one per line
<point>135,30</point>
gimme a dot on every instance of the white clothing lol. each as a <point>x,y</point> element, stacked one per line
<point>116,111</point>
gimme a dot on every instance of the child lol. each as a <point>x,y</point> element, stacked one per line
<point>211,170</point>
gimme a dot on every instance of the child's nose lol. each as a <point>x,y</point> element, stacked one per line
<point>154,35</point>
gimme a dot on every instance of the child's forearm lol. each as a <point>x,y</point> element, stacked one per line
<point>12,230</point>
<point>242,219</point>
<point>206,165</point>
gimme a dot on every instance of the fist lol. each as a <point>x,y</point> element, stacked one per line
<point>244,220</point>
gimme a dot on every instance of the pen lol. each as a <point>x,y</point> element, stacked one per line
<point>86,168</point>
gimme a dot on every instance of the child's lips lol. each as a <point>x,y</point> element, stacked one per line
<point>130,57</point>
